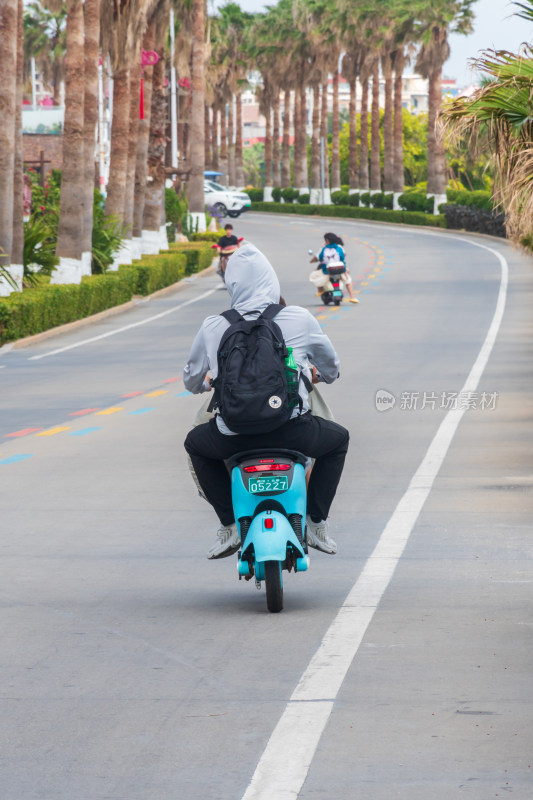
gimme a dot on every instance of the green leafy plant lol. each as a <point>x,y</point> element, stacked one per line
<point>38,256</point>
<point>276,194</point>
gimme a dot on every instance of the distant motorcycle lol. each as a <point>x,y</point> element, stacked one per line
<point>329,286</point>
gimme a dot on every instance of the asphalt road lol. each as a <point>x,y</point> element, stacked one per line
<point>134,669</point>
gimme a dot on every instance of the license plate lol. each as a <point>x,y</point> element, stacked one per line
<point>275,483</point>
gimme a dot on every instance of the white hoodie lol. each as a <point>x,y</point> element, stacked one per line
<point>253,285</point>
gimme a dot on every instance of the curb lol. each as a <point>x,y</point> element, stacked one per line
<point>109,312</point>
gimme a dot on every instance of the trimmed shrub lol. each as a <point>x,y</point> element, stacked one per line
<point>472,218</point>
<point>353,199</point>
<point>208,236</point>
<point>290,194</point>
<point>364,199</point>
<point>463,197</point>
<point>416,201</point>
<point>382,200</point>
<point>276,194</point>
<point>340,198</point>
<point>156,272</point>
<point>304,198</point>
<point>255,194</point>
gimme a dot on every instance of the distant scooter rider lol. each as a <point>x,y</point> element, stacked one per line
<point>331,253</point>
<point>253,286</point>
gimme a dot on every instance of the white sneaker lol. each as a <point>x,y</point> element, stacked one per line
<point>317,536</point>
<point>227,543</point>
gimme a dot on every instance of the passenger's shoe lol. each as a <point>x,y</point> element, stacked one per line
<point>227,543</point>
<point>317,536</point>
<point>354,300</point>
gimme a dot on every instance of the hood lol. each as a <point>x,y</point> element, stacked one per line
<point>250,280</point>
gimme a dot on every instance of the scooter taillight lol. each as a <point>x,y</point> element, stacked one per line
<point>267,466</point>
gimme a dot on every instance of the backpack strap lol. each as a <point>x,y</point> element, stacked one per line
<point>232,315</point>
<point>271,311</point>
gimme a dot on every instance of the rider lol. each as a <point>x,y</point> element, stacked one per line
<point>226,245</point>
<point>333,252</point>
<point>253,285</point>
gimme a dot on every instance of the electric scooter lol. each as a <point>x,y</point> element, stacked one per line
<point>331,291</point>
<point>269,499</point>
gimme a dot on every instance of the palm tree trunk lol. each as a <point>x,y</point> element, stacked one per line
<point>231,142</point>
<point>436,157</point>
<point>315,144</point>
<point>375,143</point>
<point>207,139</point>
<point>388,134</point>
<point>303,166</point>
<point>268,147</point>
<point>8,106</point>
<point>239,170</point>
<point>133,137</point>
<point>399,63</point>
<point>335,130</point>
<point>352,144</point>
<point>118,164</point>
<point>141,166</point>
<point>153,198</point>
<point>324,130</point>
<point>363,147</point>
<point>297,138</point>
<point>224,167</point>
<point>276,173</point>
<point>286,144</point>
<point>196,179</point>
<point>90,121</point>
<point>17,250</point>
<point>216,113</point>
<point>71,220</point>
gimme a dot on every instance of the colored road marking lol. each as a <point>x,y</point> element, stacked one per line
<point>183,394</point>
<point>53,431</point>
<point>364,283</point>
<point>172,380</point>
<point>83,412</point>
<point>83,431</point>
<point>321,316</point>
<point>14,459</point>
<point>23,432</point>
<point>141,410</point>
<point>157,393</point>
<point>132,394</point>
<point>111,410</point>
<point>371,276</point>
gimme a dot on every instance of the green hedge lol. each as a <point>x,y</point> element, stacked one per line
<point>378,214</point>
<point>35,310</point>
<point>208,236</point>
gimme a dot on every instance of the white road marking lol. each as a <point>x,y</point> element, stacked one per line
<point>280,776</point>
<point>124,328</point>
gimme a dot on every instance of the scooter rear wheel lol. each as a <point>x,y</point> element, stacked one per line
<point>273,586</point>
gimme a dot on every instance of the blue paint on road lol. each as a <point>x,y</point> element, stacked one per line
<point>14,459</point>
<point>142,410</point>
<point>83,431</point>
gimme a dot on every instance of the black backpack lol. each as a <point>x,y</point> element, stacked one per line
<point>251,389</point>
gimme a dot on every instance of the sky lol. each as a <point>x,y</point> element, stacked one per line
<point>494,28</point>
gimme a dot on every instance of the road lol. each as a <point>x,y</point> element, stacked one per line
<point>134,669</point>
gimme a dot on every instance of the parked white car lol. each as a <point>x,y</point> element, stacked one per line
<point>229,202</point>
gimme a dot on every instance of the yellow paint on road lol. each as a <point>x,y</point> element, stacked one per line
<point>322,316</point>
<point>111,410</point>
<point>53,431</point>
<point>157,393</point>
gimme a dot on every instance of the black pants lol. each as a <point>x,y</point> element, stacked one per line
<point>325,441</point>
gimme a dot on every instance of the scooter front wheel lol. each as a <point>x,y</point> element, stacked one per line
<point>274,586</point>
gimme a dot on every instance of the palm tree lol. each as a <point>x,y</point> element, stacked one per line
<point>141,162</point>
<point>73,197</point>
<point>435,21</point>
<point>17,250</point>
<point>197,165</point>
<point>45,40</point>
<point>90,120</point>
<point>502,109</point>
<point>8,102</point>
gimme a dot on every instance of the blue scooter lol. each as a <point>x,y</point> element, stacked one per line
<point>269,499</point>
